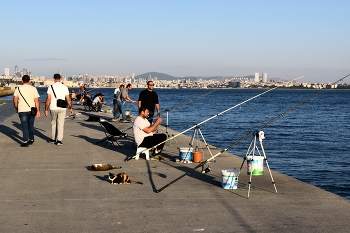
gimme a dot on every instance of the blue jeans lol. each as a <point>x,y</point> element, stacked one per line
<point>27,122</point>
<point>118,108</point>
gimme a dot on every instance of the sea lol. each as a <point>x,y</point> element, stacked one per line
<point>306,131</point>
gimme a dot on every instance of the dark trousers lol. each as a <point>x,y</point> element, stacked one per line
<point>153,140</point>
<point>27,122</point>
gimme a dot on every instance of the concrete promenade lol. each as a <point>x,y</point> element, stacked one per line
<point>48,188</point>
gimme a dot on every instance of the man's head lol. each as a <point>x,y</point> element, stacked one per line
<point>25,79</point>
<point>143,112</point>
<point>129,86</point>
<point>56,76</point>
<point>121,86</point>
<point>150,85</point>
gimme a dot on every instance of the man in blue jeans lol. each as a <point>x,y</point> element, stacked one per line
<point>117,104</point>
<point>24,98</point>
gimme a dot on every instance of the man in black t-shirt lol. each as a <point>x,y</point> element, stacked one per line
<point>149,99</point>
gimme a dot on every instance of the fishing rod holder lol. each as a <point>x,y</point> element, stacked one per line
<point>167,129</point>
<point>255,165</point>
<point>196,133</point>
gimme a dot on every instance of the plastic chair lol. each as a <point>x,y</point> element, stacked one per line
<point>139,150</point>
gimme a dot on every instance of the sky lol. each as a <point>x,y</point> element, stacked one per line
<point>285,39</point>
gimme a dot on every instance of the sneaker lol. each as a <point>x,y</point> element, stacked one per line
<point>25,144</point>
<point>31,142</point>
<point>51,141</point>
<point>58,143</point>
<point>124,121</point>
<point>115,120</point>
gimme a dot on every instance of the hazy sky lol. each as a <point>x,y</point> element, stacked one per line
<point>285,39</point>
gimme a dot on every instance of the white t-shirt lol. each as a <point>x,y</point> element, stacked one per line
<point>96,100</point>
<point>139,125</point>
<point>61,91</point>
<point>29,93</point>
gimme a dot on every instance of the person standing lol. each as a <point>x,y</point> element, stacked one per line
<point>125,98</point>
<point>57,91</point>
<point>117,104</point>
<point>24,98</point>
<point>143,132</point>
<point>149,99</point>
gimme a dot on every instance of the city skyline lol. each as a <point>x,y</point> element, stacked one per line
<point>184,38</point>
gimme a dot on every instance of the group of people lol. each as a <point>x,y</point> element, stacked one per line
<point>27,96</point>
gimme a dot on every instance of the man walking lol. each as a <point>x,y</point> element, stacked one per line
<point>149,99</point>
<point>54,92</point>
<point>24,98</point>
<point>117,104</point>
<point>125,98</point>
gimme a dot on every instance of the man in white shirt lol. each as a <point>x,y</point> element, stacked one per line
<point>58,114</point>
<point>25,97</point>
<point>143,132</point>
<point>98,101</point>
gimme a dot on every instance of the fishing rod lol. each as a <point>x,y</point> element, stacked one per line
<point>246,136</point>
<point>129,158</point>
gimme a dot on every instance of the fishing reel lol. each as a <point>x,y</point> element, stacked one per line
<point>205,170</point>
<point>260,134</point>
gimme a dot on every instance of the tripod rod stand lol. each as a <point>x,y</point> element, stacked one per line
<point>260,135</point>
<point>196,131</point>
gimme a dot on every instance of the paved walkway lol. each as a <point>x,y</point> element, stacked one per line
<point>48,188</point>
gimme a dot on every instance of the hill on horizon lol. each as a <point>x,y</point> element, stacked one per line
<point>163,76</point>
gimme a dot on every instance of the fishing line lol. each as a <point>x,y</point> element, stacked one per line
<point>129,158</point>
<point>246,136</point>
<point>188,100</point>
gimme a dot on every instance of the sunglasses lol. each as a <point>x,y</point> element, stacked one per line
<point>151,85</point>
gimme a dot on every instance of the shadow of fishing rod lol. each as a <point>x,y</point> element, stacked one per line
<point>197,125</point>
<point>248,135</point>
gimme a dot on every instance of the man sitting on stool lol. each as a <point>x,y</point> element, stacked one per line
<point>143,132</point>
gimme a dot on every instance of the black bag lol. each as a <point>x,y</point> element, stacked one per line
<point>60,103</point>
<point>33,111</point>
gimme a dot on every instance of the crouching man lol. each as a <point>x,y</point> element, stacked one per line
<point>143,132</point>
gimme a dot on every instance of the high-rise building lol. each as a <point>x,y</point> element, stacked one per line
<point>256,77</point>
<point>264,77</point>
<point>7,71</point>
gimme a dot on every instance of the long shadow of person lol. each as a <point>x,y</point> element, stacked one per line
<point>11,133</point>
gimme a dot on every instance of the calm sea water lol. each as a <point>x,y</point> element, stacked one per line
<point>309,143</point>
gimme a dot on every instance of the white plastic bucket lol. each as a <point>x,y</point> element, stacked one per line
<point>229,178</point>
<point>255,166</point>
<point>186,154</point>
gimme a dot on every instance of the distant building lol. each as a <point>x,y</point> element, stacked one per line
<point>264,77</point>
<point>7,72</point>
<point>235,84</point>
<point>256,77</point>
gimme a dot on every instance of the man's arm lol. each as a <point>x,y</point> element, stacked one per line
<point>158,109</point>
<point>15,103</point>
<point>47,104</point>
<point>37,105</point>
<point>153,127</point>
<point>69,101</point>
<point>139,104</point>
